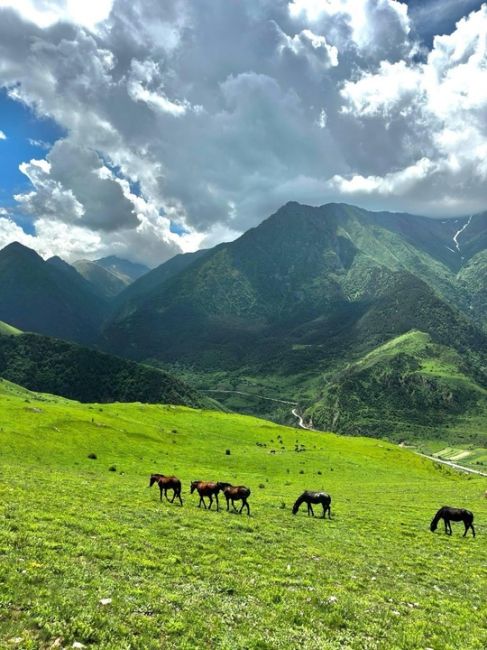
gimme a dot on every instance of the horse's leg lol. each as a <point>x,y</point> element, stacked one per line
<point>311,508</point>
<point>467,526</point>
<point>446,526</point>
<point>179,497</point>
<point>233,504</point>
<point>324,510</point>
<point>202,501</point>
<point>211,501</point>
<point>160,491</point>
<point>217,502</point>
<point>248,508</point>
<point>174,495</point>
<point>473,529</point>
<point>165,494</point>
<point>228,503</point>
<point>329,512</point>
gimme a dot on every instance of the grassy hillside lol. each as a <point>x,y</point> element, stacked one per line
<point>49,365</point>
<point>89,555</point>
<point>409,388</point>
<point>8,330</point>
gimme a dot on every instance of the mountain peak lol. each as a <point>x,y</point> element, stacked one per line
<point>17,249</point>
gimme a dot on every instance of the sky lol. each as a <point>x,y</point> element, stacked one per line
<point>145,128</point>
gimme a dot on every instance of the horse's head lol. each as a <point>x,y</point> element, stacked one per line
<point>222,486</point>
<point>295,508</point>
<point>433,525</point>
<point>153,479</point>
<point>194,485</point>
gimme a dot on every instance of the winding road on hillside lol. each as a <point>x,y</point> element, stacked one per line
<point>461,468</point>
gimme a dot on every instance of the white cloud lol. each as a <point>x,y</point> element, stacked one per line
<point>212,113</point>
<point>45,13</point>
<point>2,135</point>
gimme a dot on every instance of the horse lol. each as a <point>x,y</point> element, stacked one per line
<point>206,489</point>
<point>447,513</point>
<point>314,497</point>
<point>166,483</point>
<point>235,493</point>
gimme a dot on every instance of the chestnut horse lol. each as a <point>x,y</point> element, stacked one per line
<point>235,493</point>
<point>448,514</point>
<point>166,483</point>
<point>206,489</point>
<point>314,497</point>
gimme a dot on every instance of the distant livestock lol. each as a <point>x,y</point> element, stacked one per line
<point>314,497</point>
<point>166,483</point>
<point>208,489</point>
<point>448,514</point>
<point>236,493</point>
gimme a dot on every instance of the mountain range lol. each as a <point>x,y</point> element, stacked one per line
<point>294,308</point>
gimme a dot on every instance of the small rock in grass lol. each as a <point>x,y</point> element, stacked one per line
<point>15,640</point>
<point>77,644</point>
<point>331,600</point>
<point>105,601</point>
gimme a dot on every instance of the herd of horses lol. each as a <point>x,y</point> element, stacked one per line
<point>232,493</point>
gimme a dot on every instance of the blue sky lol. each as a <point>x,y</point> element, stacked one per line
<point>27,137</point>
<point>207,115</point>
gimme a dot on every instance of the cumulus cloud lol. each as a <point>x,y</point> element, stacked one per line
<point>210,114</point>
<point>2,135</point>
<point>47,12</point>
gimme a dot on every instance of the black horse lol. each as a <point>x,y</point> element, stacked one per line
<point>314,497</point>
<point>448,514</point>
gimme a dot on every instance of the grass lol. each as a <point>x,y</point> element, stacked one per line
<point>8,330</point>
<point>91,556</point>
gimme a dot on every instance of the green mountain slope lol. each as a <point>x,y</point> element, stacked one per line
<point>287,306</point>
<point>305,276</point>
<point>39,296</point>
<point>106,283</point>
<point>125,270</point>
<point>8,330</point>
<point>409,389</point>
<point>90,556</point>
<point>49,365</point>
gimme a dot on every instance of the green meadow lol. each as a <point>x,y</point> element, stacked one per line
<point>89,556</point>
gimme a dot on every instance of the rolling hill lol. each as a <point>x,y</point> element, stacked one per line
<point>90,556</point>
<point>49,365</point>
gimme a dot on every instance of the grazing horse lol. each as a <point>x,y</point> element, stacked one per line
<point>235,493</point>
<point>314,497</point>
<point>166,483</point>
<point>206,489</point>
<point>453,514</point>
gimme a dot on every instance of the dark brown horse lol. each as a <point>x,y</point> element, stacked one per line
<point>208,489</point>
<point>166,483</point>
<point>235,493</point>
<point>453,514</point>
<point>314,497</point>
